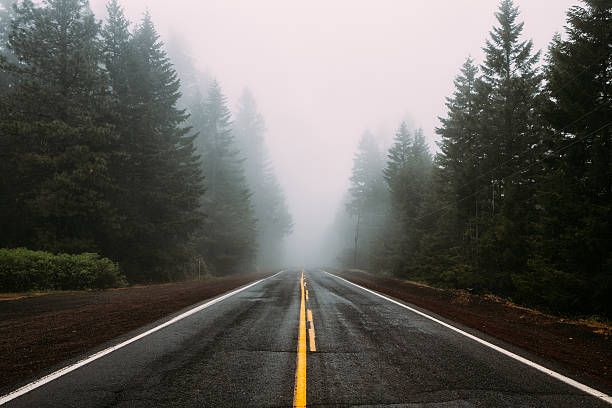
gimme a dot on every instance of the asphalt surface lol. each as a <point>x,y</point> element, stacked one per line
<point>241,352</point>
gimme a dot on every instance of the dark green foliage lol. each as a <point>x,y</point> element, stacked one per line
<point>94,154</point>
<point>118,52</point>
<point>519,200</point>
<point>490,142</point>
<point>510,133</point>
<point>458,163</point>
<point>158,175</point>
<point>269,204</point>
<point>23,270</point>
<point>56,147</point>
<point>524,175</point>
<point>574,230</point>
<point>228,241</point>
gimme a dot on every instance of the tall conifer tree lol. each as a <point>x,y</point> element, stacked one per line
<point>367,200</point>
<point>573,244</point>
<point>164,182</point>
<point>117,50</point>
<point>407,174</point>
<point>228,241</point>
<point>158,175</point>
<point>56,145</point>
<point>510,133</point>
<point>460,186</point>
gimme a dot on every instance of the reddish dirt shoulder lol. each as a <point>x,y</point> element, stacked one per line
<point>39,332</point>
<point>583,348</point>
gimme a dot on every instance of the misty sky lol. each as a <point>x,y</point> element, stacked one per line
<point>323,71</point>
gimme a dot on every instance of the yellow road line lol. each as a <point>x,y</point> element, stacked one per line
<point>299,396</point>
<point>311,332</point>
<point>306,294</point>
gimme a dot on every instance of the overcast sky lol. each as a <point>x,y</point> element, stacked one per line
<point>323,71</point>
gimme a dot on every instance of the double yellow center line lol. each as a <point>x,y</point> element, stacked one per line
<point>299,396</point>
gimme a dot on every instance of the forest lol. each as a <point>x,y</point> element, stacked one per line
<point>110,147</point>
<point>115,147</point>
<point>517,198</point>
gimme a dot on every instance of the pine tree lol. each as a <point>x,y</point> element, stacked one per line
<point>510,132</point>
<point>56,146</point>
<point>158,174</point>
<point>367,166</point>
<point>572,250</point>
<point>511,84</point>
<point>117,50</point>
<point>459,145</point>
<point>367,200</point>
<point>228,240</point>
<point>407,174</point>
<point>273,218</point>
<point>460,186</point>
<point>399,154</point>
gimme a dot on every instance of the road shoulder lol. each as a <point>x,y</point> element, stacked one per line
<point>38,333</point>
<point>581,348</point>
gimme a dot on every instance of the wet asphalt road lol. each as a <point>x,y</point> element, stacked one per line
<point>241,352</point>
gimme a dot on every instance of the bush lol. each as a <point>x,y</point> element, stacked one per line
<point>544,286</point>
<point>23,270</point>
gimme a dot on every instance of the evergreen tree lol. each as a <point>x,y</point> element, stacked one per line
<point>227,242</point>
<point>273,218</point>
<point>117,51</point>
<point>458,159</point>
<point>510,131</point>
<point>367,200</point>
<point>511,84</point>
<point>160,177</point>
<point>399,154</point>
<point>407,175</point>
<point>459,186</point>
<point>56,146</point>
<point>572,249</point>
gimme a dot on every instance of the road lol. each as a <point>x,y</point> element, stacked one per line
<point>316,340</point>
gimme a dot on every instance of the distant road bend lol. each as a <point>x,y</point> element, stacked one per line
<point>305,338</point>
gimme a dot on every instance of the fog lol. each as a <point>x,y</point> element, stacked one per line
<point>323,72</point>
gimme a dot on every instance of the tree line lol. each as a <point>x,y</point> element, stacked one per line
<point>99,151</point>
<point>518,199</point>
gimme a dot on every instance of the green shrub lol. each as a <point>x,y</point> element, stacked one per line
<point>543,286</point>
<point>23,270</point>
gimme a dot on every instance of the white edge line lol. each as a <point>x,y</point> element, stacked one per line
<point>62,371</point>
<point>554,374</point>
